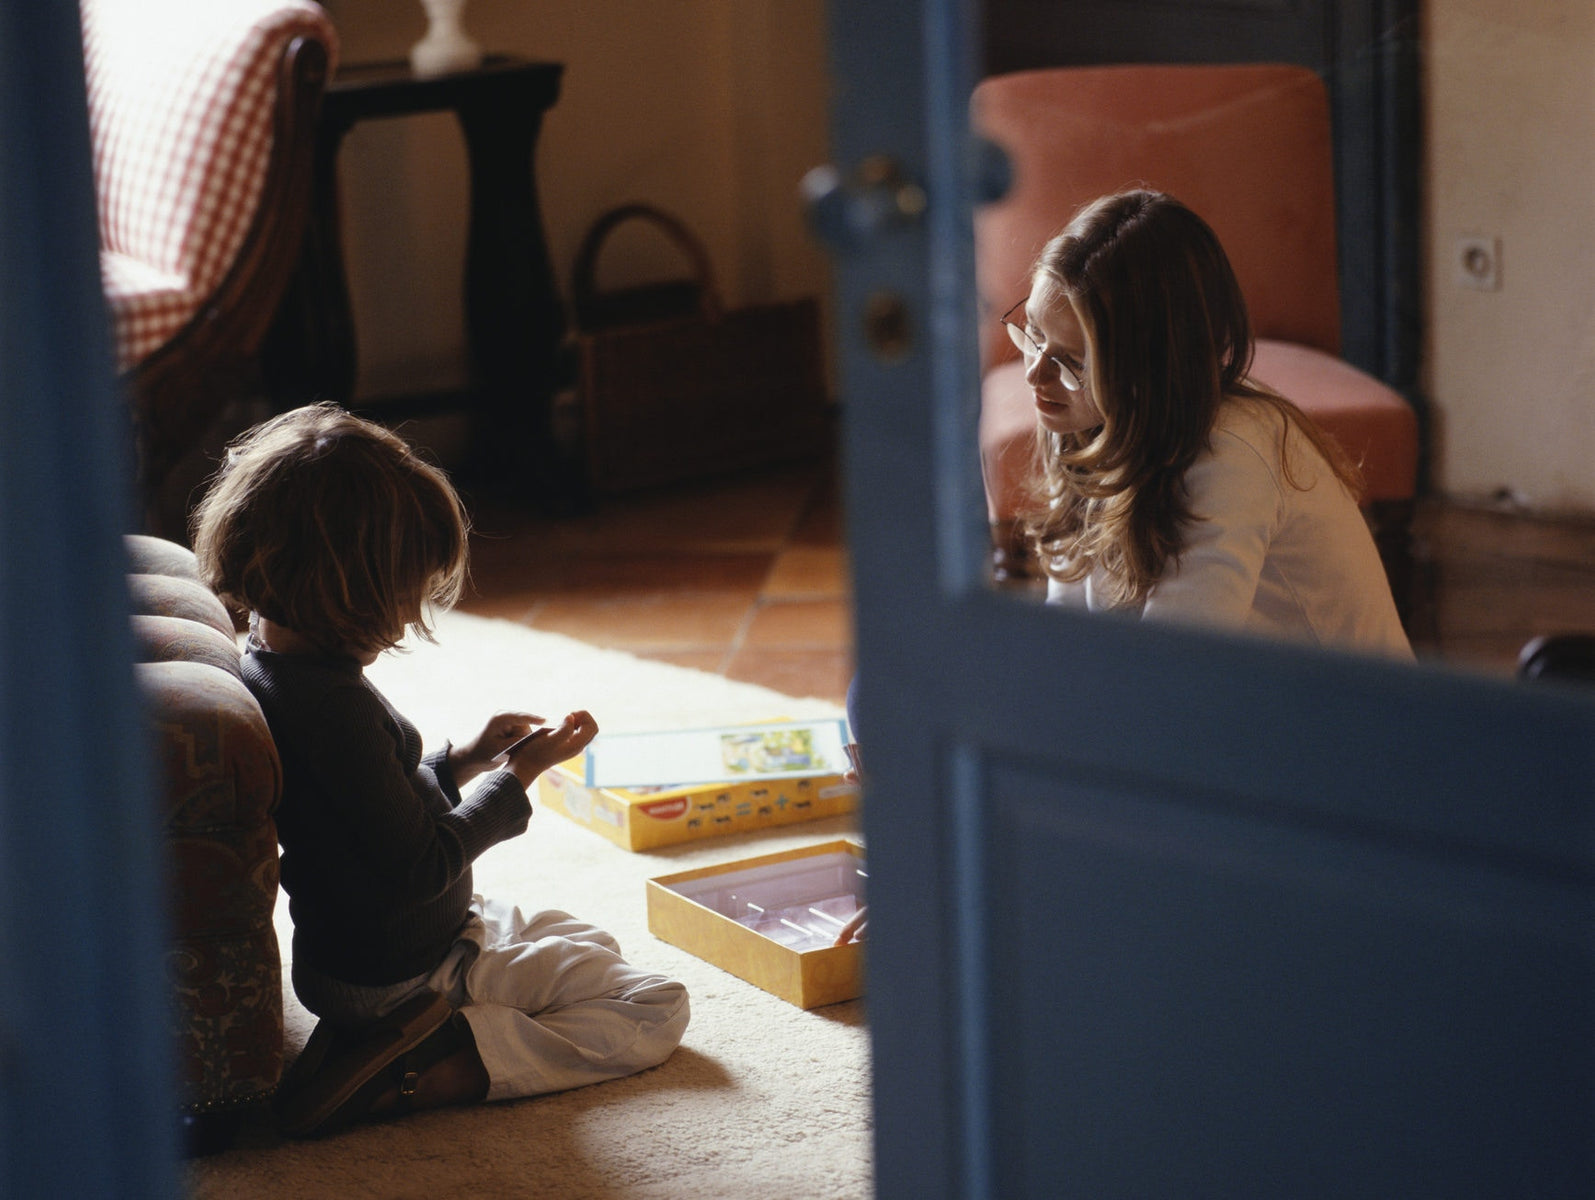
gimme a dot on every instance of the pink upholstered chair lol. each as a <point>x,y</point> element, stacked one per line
<point>1248,148</point>
<point>202,115</point>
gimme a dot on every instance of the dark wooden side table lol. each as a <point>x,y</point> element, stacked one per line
<point>515,319</point>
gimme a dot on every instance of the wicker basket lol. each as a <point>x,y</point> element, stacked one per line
<point>675,388</point>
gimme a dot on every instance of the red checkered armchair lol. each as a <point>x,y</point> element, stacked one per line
<point>202,115</point>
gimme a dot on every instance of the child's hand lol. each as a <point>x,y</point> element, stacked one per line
<point>566,740</point>
<point>501,732</point>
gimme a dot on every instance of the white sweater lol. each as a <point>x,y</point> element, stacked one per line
<point>1264,555</point>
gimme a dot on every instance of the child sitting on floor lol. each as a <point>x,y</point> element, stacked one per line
<point>336,537</point>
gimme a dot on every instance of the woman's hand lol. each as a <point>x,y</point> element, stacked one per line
<point>501,732</point>
<point>855,771</point>
<point>853,931</point>
<point>566,740</point>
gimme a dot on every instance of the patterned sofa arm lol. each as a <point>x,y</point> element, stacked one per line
<point>219,784</point>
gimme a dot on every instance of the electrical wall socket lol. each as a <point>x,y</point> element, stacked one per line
<point>1476,259</point>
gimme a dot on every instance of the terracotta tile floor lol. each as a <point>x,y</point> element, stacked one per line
<point>747,577</point>
<point>744,577</point>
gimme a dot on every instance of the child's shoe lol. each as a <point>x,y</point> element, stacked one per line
<point>337,1065</point>
<point>407,1083</point>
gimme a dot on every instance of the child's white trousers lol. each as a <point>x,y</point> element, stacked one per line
<point>551,1003</point>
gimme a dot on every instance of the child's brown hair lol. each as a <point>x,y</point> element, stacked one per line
<point>332,526</point>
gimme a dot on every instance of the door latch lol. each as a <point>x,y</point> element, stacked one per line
<point>848,212</point>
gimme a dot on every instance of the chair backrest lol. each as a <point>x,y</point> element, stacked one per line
<point>1247,147</point>
<point>181,97</point>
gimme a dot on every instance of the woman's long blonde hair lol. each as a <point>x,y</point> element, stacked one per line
<point>1167,341</point>
<point>333,527</point>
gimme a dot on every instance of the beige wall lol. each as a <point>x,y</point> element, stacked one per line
<point>1511,153</point>
<point>711,109</point>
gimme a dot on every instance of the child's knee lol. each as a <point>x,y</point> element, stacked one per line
<point>552,923</point>
<point>668,1001</point>
<point>662,1032</point>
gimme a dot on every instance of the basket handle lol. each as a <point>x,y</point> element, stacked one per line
<point>584,289</point>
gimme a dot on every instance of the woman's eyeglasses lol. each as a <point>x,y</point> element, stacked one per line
<point>1020,336</point>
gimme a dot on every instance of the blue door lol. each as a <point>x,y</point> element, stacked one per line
<point>87,1106</point>
<point>1158,913</point>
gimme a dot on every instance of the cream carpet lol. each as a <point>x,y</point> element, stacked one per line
<point>762,1100</point>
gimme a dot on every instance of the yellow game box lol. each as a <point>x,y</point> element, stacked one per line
<point>772,920</point>
<point>639,818</point>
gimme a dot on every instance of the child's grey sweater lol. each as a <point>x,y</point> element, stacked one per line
<point>377,843</point>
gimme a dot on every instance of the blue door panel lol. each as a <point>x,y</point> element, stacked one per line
<point>1154,912</point>
<point>1195,1001</point>
<point>87,1099</point>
